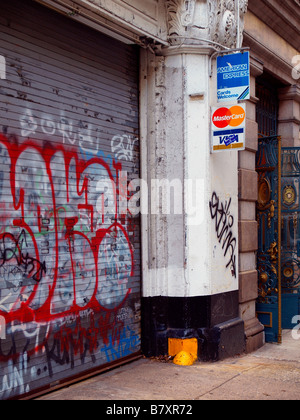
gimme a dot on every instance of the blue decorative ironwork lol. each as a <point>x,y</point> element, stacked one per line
<point>274,298</point>
<point>290,196</point>
<point>267,218</point>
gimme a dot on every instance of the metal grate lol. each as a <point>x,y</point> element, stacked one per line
<point>267,109</point>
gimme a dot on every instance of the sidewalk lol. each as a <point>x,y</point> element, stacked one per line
<point>271,373</point>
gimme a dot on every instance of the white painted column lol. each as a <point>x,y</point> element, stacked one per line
<point>183,256</point>
<point>190,258</point>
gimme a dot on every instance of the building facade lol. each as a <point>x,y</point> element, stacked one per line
<point>120,229</point>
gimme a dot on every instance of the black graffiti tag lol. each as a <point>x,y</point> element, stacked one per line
<point>13,256</point>
<point>224,221</point>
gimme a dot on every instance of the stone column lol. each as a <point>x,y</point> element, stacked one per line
<point>248,184</point>
<point>289,116</point>
<point>190,258</point>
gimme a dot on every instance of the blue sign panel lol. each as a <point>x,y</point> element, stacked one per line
<point>233,77</point>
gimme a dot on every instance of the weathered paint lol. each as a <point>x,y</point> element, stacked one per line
<point>204,261</point>
<point>190,264</point>
<point>69,258</point>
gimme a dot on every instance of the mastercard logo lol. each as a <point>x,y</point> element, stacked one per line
<point>229,117</point>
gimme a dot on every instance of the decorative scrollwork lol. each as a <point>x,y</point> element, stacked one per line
<point>264,201</point>
<point>289,195</point>
<point>264,193</point>
<point>267,284</point>
<point>225,19</point>
<point>290,272</point>
<point>273,252</point>
<point>180,15</point>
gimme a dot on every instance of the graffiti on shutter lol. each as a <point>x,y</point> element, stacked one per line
<point>69,246</point>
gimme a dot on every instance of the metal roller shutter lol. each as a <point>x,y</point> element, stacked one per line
<point>69,245</point>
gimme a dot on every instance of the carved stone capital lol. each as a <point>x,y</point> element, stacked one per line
<point>180,16</point>
<point>193,22</point>
<point>226,21</point>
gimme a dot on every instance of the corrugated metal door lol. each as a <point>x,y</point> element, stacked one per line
<point>69,228</point>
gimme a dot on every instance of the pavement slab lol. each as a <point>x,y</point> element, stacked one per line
<point>271,373</point>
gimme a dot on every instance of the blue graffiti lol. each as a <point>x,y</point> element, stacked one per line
<point>88,155</point>
<point>128,344</point>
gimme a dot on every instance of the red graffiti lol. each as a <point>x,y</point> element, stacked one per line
<point>60,253</point>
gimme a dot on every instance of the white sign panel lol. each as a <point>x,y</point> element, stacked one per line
<point>228,128</point>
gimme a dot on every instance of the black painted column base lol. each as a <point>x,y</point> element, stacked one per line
<point>213,320</point>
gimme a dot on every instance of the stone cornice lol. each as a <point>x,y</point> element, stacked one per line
<point>155,24</point>
<point>282,16</point>
<point>290,93</point>
<point>117,18</point>
<point>186,49</point>
<point>270,60</point>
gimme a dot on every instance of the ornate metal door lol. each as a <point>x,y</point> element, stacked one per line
<point>290,253</point>
<point>278,215</point>
<point>268,167</point>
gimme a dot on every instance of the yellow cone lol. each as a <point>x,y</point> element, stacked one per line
<point>184,359</point>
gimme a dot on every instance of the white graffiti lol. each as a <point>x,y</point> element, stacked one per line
<point>28,124</point>
<point>2,67</point>
<point>2,328</point>
<point>123,147</point>
<point>80,133</point>
<point>34,332</point>
<point>14,380</point>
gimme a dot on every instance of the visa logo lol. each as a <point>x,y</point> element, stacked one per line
<point>227,140</point>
